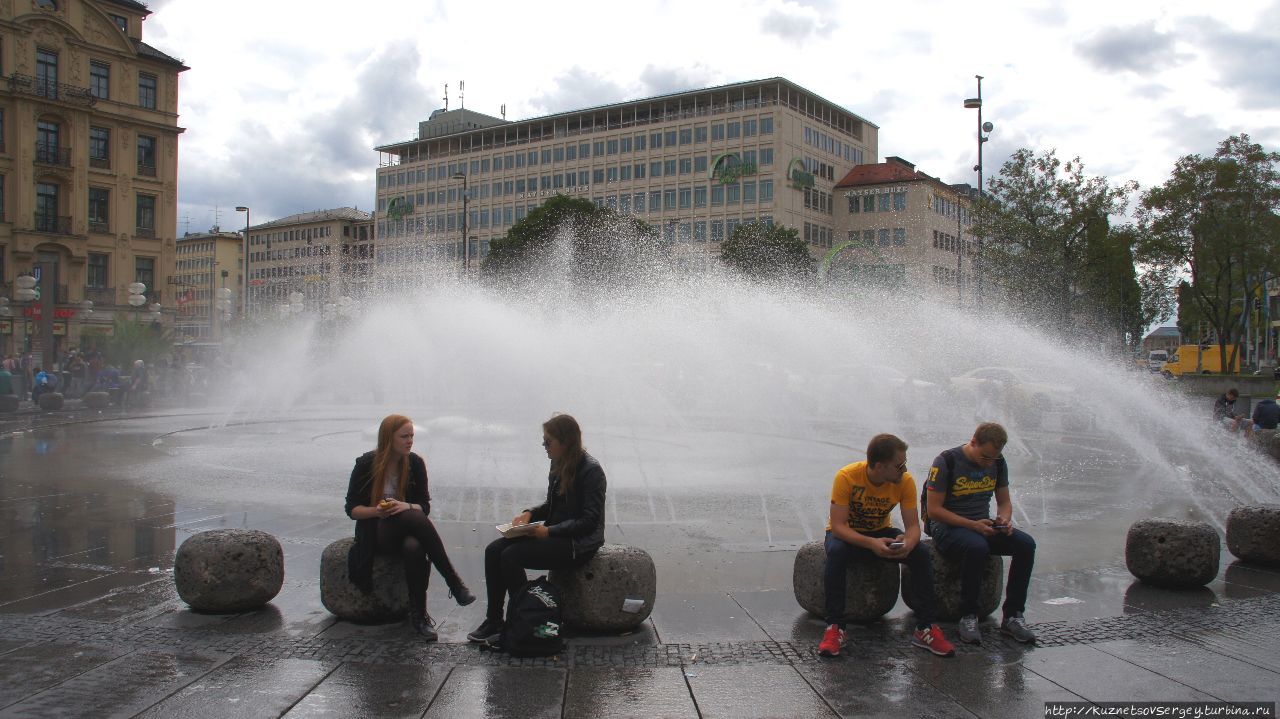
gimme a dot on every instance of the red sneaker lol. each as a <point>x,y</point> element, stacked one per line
<point>832,642</point>
<point>931,638</point>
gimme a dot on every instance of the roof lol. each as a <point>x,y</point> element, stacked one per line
<point>887,173</point>
<point>208,235</point>
<point>655,98</point>
<point>131,4</point>
<point>1165,332</point>
<point>339,213</point>
<point>146,50</point>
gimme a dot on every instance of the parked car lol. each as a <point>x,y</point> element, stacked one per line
<point>1020,394</point>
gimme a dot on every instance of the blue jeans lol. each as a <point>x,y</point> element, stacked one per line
<point>972,550</point>
<point>840,553</point>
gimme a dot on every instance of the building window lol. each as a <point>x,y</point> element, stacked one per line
<point>96,276</point>
<point>717,132</point>
<point>899,201</point>
<point>146,216</point>
<point>735,130</point>
<point>868,203</point>
<point>766,126</point>
<point>655,201</point>
<point>144,271</point>
<point>46,73</point>
<point>46,207</point>
<point>766,156</point>
<point>686,136</point>
<point>700,196</point>
<point>717,195</point>
<point>146,155</point>
<point>766,191</point>
<point>99,147</point>
<point>700,135</point>
<point>99,209</point>
<point>47,142</point>
<point>100,80</point>
<point>121,22</point>
<point>686,165</point>
<point>885,199</point>
<point>668,168</point>
<point>147,90</point>
<point>900,236</point>
<point>686,196</point>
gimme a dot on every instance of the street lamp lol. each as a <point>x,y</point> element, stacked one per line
<point>975,103</point>
<point>244,303</point>
<point>25,292</point>
<point>465,250</point>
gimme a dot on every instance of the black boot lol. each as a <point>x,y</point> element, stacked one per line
<point>460,593</point>
<point>422,624</point>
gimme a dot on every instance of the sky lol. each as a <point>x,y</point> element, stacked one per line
<point>286,99</point>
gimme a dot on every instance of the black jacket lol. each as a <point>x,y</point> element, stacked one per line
<point>1266,414</point>
<point>360,560</point>
<point>579,515</point>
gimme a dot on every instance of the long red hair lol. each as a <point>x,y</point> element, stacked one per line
<point>382,458</point>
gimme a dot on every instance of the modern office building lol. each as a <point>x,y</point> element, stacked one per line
<point>902,228</point>
<point>321,255</point>
<point>204,264</point>
<point>88,166</point>
<point>693,164</point>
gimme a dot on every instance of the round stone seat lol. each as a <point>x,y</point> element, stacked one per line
<point>228,570</point>
<point>389,599</point>
<point>1172,553</point>
<point>946,585</point>
<point>51,401</point>
<point>871,585</point>
<point>613,592</point>
<point>9,402</point>
<point>96,400</point>
<point>1253,533</point>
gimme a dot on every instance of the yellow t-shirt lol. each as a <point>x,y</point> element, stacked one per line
<point>869,505</point>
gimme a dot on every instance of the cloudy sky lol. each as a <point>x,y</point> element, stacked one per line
<point>285,99</point>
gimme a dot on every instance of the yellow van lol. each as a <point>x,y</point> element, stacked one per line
<point>1183,360</point>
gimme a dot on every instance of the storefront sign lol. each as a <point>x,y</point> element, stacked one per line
<point>6,327</point>
<point>875,191</point>
<point>798,176</point>
<point>729,168</point>
<point>60,329</point>
<point>64,313</point>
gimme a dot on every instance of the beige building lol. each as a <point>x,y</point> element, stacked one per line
<point>88,164</point>
<point>902,228</point>
<point>322,255</point>
<point>693,164</point>
<point>206,263</point>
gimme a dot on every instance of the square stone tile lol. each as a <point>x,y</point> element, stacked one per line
<point>32,667</point>
<point>754,691</point>
<point>372,690</point>
<point>501,693</point>
<point>690,618</point>
<point>244,686</point>
<point>1101,677</point>
<point>640,693</point>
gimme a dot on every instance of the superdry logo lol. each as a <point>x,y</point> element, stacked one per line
<point>542,595</point>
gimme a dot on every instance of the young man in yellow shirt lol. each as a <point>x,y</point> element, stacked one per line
<point>862,497</point>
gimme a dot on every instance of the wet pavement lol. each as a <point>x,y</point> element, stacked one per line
<point>93,506</point>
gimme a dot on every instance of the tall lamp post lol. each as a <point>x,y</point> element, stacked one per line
<point>466,255</point>
<point>975,103</point>
<point>244,281</point>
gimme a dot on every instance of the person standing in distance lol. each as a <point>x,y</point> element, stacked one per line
<point>961,483</point>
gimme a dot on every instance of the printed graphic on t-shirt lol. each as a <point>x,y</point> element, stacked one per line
<point>973,485</point>
<point>867,512</point>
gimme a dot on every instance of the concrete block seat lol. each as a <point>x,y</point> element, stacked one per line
<point>228,570</point>
<point>50,401</point>
<point>871,586</point>
<point>389,600</point>
<point>946,584</point>
<point>613,592</point>
<point>1253,533</point>
<point>1172,553</point>
<point>96,400</point>
<point>9,402</point>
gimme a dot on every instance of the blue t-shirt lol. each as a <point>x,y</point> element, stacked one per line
<point>970,489</point>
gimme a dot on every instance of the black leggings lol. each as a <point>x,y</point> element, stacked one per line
<point>506,559</point>
<point>414,536</point>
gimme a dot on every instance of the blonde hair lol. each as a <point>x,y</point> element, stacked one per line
<point>382,458</point>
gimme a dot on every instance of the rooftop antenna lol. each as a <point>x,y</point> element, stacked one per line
<point>504,110</point>
<point>462,98</point>
<point>446,96</point>
<point>186,225</point>
<point>217,216</point>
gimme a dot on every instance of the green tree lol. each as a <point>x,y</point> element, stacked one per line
<point>131,340</point>
<point>1214,222</point>
<point>767,252</point>
<point>1115,305</point>
<point>594,242</point>
<point>1039,216</point>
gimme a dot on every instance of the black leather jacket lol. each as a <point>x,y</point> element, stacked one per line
<point>360,560</point>
<point>579,515</point>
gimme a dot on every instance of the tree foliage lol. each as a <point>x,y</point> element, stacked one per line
<point>767,252</point>
<point>588,241</point>
<point>1050,247</point>
<point>132,340</point>
<point>1215,222</point>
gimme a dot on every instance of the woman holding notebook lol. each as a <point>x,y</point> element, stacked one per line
<point>572,526</point>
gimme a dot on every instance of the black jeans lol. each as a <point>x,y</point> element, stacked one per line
<point>506,559</point>
<point>414,536</point>
<point>840,553</point>
<point>973,549</point>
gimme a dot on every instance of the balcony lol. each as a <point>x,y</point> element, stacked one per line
<point>50,90</point>
<point>51,154</point>
<point>146,233</point>
<point>100,295</point>
<point>102,163</point>
<point>99,228</point>
<point>146,170</point>
<point>52,223</point>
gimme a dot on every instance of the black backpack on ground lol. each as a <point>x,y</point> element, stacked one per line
<point>948,456</point>
<point>533,621</point>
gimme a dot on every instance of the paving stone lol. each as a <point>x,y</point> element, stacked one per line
<point>989,681</point>
<point>489,692</point>
<point>1224,677</point>
<point>899,691</point>
<point>126,601</point>
<point>244,686</point>
<point>35,667</point>
<point>372,690</point>
<point>119,688</point>
<point>703,617</point>
<point>723,691</point>
<point>1100,677</point>
<point>639,693</point>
